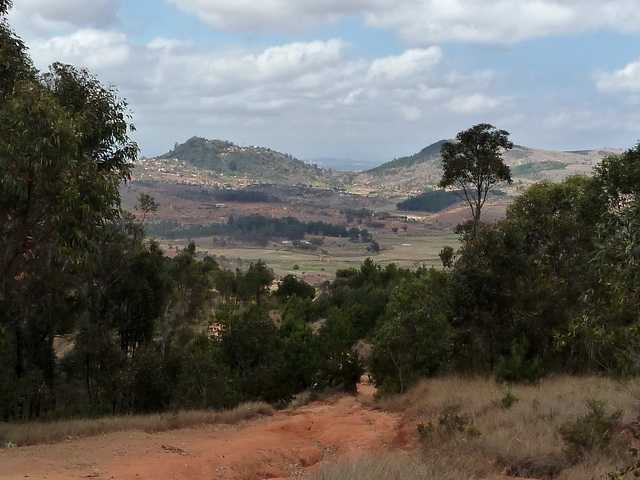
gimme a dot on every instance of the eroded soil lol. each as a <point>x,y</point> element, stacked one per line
<point>286,445</point>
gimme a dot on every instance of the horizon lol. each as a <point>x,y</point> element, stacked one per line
<point>362,80</point>
<point>351,164</point>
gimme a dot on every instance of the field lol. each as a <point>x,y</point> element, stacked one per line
<point>408,239</point>
<point>418,247</point>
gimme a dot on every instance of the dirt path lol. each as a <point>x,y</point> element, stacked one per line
<point>282,446</point>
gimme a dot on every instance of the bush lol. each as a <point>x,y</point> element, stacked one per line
<point>413,338</point>
<point>591,432</point>
<point>508,401</point>
<point>451,422</point>
<point>291,286</point>
<point>517,366</point>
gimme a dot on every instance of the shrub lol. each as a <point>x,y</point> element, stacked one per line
<point>413,338</point>
<point>517,366</point>
<point>508,401</point>
<point>451,421</point>
<point>591,432</point>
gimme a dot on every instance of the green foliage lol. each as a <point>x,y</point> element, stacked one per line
<point>205,380</point>
<point>5,5</point>
<point>257,229</point>
<point>508,400</point>
<point>474,165</point>
<point>147,205</point>
<point>591,432</point>
<point>414,337</point>
<point>339,365</point>
<point>519,365</point>
<point>227,158</point>
<point>253,349</point>
<point>433,202</point>
<point>447,257</point>
<point>257,280</point>
<point>94,319</point>
<point>245,195</point>
<point>291,286</point>
<point>525,277</point>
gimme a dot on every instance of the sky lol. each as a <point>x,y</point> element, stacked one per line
<point>360,80</point>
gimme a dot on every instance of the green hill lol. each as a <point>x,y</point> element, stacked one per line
<point>258,163</point>
<point>427,154</point>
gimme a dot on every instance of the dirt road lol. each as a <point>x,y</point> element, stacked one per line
<point>282,446</point>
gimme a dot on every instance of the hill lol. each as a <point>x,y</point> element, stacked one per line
<point>426,155</point>
<point>411,174</point>
<point>227,161</point>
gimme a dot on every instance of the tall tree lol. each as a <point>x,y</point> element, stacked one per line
<point>65,147</point>
<point>474,164</point>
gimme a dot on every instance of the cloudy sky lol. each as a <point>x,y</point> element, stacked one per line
<point>367,80</point>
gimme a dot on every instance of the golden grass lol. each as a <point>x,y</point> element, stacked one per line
<point>396,467</point>
<point>522,440</point>
<point>22,434</point>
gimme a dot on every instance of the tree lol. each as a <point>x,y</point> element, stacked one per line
<point>291,286</point>
<point>147,205</point>
<point>474,164</point>
<point>65,148</point>
<point>257,280</point>
<point>414,337</point>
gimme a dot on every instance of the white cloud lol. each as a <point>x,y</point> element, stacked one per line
<point>306,92</point>
<point>424,22</point>
<point>626,80</point>
<point>48,15</point>
<point>475,103</point>
<point>407,65</point>
<point>269,14</point>
<point>410,113</point>
<point>95,49</point>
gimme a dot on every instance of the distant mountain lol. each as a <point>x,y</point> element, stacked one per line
<point>221,163</point>
<point>427,154</point>
<point>255,163</point>
<point>411,175</point>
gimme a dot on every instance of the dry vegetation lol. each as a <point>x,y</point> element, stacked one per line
<point>475,428</point>
<point>23,434</point>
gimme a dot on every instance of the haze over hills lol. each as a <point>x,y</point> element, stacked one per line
<point>219,162</point>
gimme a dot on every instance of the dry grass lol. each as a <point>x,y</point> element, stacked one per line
<point>522,440</point>
<point>397,467</point>
<point>22,434</point>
